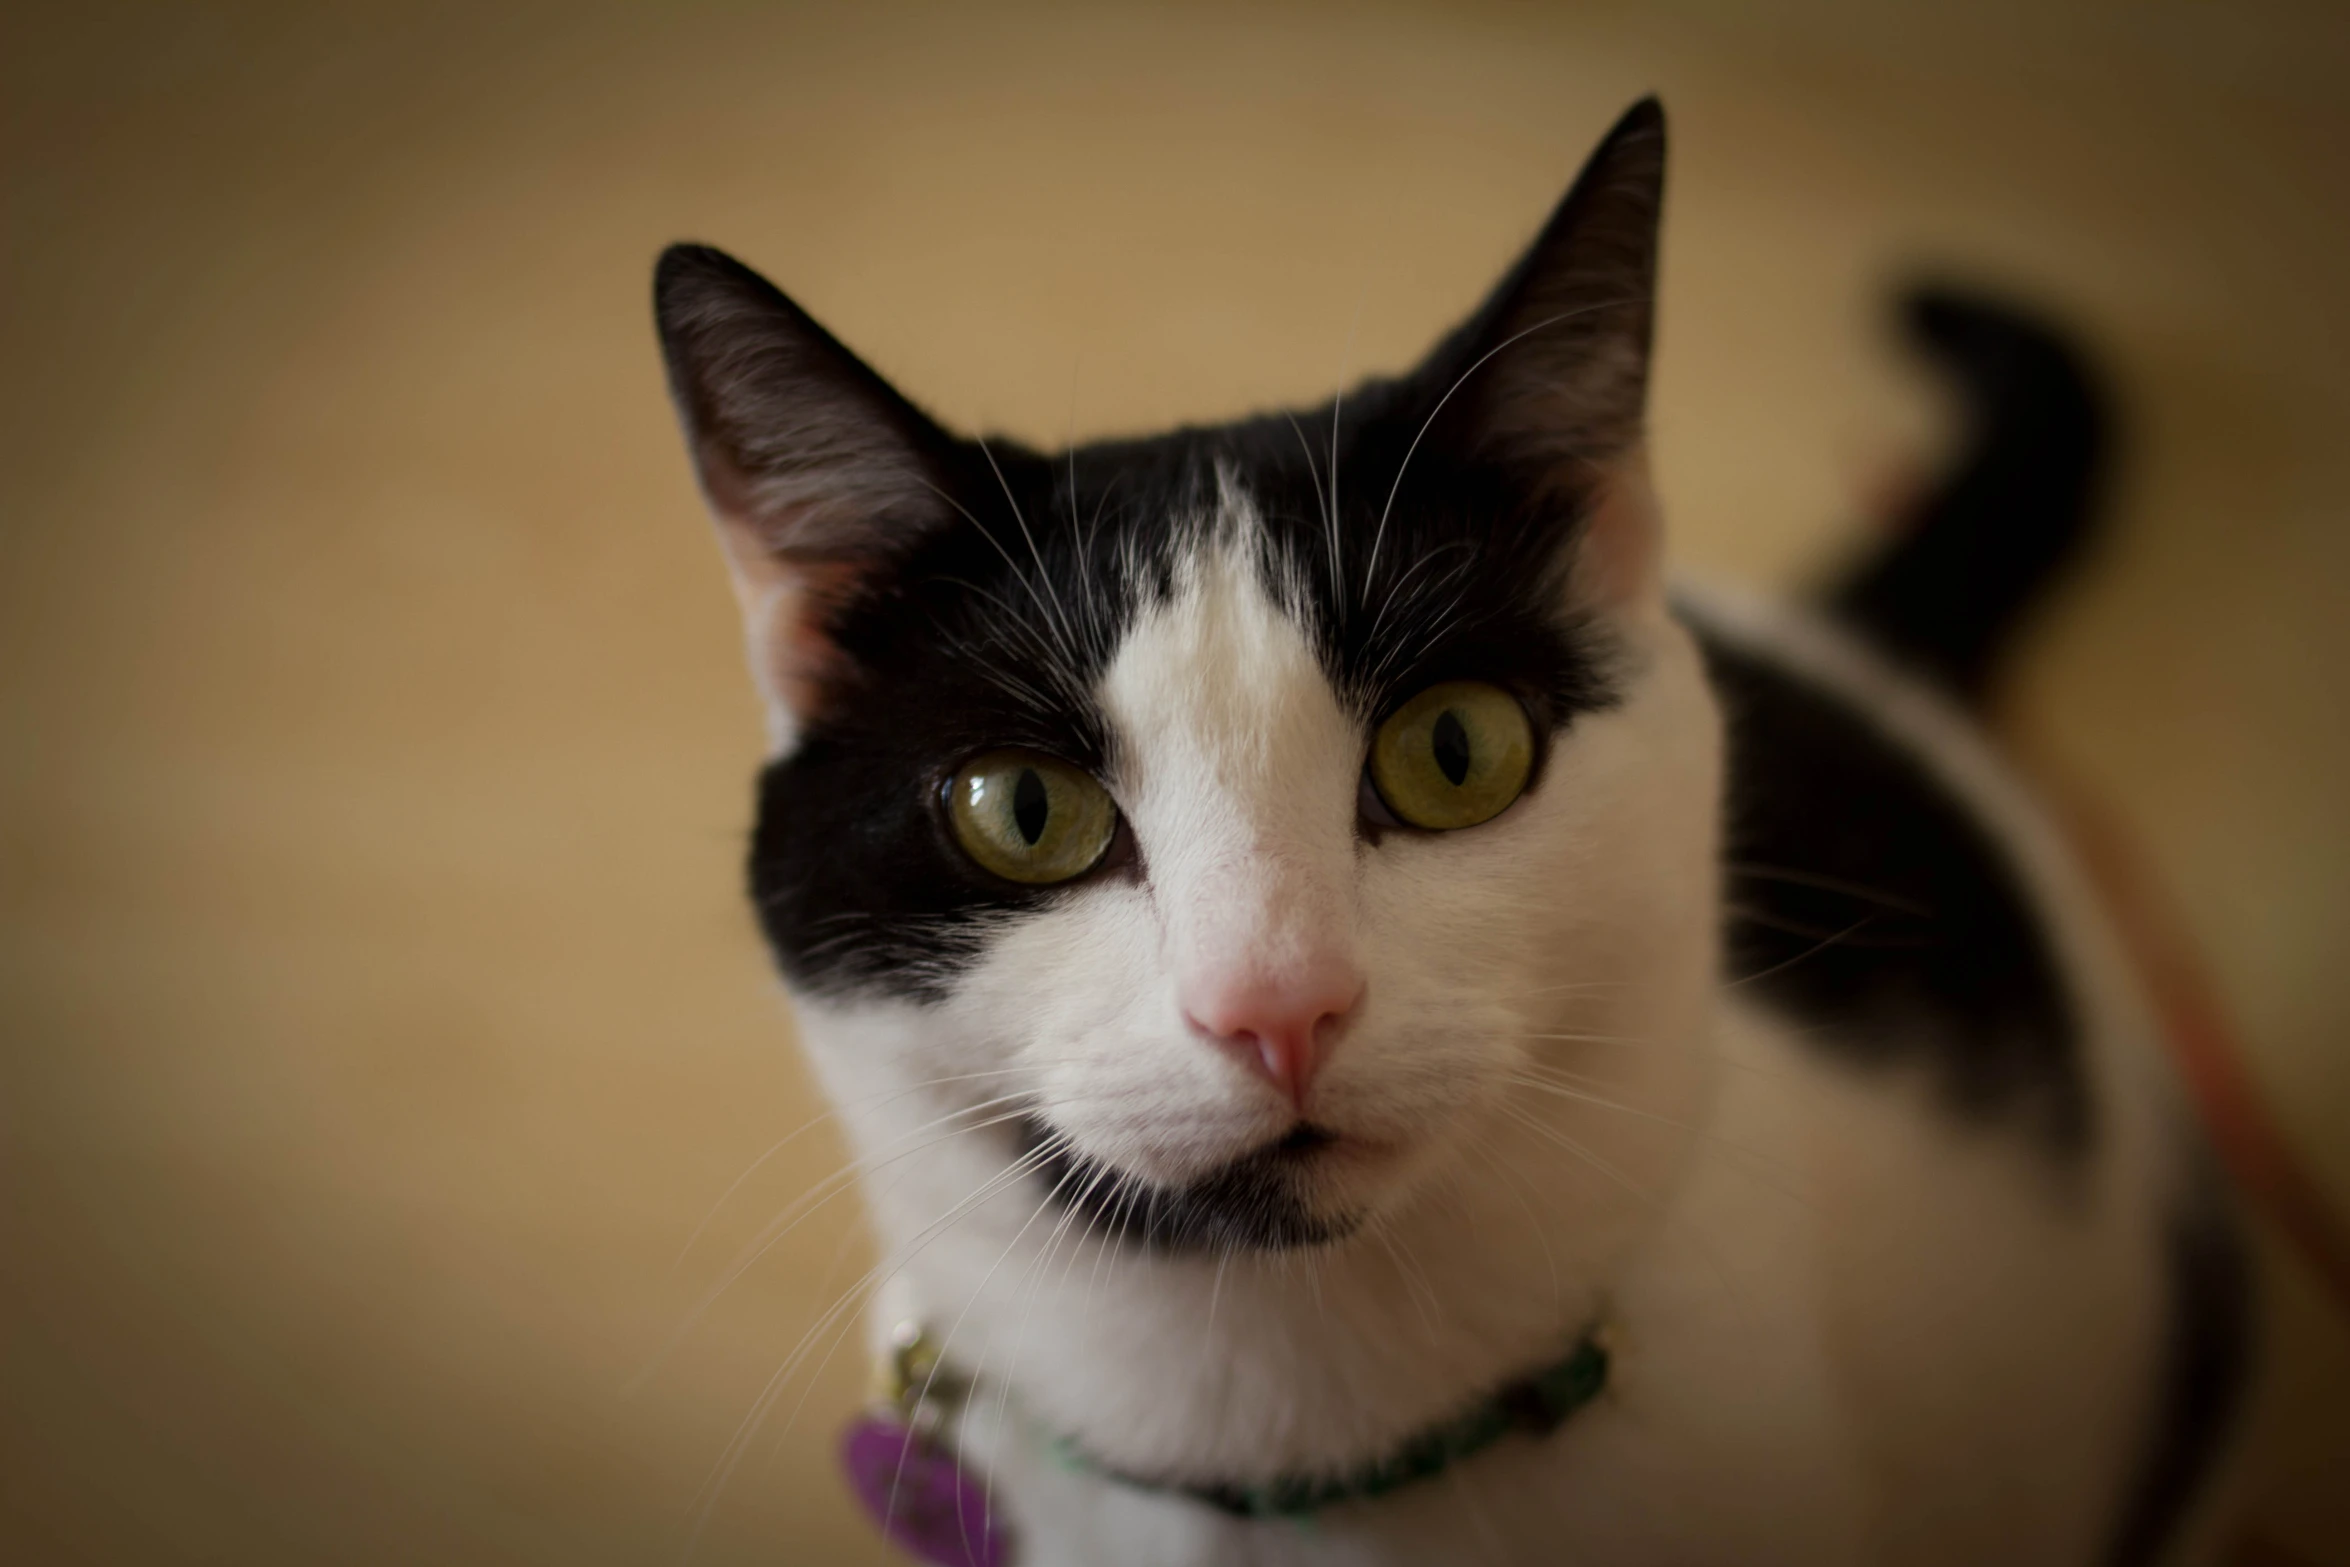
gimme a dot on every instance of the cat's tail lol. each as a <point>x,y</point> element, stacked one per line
<point>1963,564</point>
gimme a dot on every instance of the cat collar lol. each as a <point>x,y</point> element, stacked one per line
<point>900,1459</point>
<point>910,1479</point>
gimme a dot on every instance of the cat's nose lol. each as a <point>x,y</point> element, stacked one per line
<point>1280,1025</point>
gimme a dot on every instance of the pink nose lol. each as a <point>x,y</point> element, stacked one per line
<point>1279,1025</point>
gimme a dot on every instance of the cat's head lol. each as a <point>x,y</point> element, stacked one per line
<point>1248,819</point>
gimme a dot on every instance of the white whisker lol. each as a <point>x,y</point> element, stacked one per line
<point>1565,315</point>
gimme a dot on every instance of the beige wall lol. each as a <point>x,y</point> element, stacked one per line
<point>378,1015</point>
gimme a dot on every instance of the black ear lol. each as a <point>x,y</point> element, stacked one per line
<point>802,449</point>
<point>817,470</point>
<point>1553,369</point>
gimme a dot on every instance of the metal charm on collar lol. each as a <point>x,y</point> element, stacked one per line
<point>901,1463</point>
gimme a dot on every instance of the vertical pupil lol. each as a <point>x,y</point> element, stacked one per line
<point>1030,805</point>
<point>1452,747</point>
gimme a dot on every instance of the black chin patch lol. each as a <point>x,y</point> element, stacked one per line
<point>1252,1203</point>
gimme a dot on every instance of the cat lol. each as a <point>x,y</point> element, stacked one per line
<point>1379,1030</point>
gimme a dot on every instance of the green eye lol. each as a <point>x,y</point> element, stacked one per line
<point>1029,818</point>
<point>1453,756</point>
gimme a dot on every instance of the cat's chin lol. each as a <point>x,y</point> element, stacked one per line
<point>1262,1200</point>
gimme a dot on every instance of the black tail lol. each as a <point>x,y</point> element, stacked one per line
<point>1970,560</point>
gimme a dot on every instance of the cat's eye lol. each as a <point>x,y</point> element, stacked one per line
<point>1453,756</point>
<point>1029,817</point>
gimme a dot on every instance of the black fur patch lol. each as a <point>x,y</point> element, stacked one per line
<point>1252,1203</point>
<point>1867,904</point>
<point>995,629</point>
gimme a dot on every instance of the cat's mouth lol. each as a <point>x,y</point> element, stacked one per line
<point>1257,1201</point>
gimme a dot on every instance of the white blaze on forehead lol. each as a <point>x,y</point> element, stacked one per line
<point>1236,765</point>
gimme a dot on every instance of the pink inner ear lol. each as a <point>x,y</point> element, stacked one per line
<point>803,653</point>
<point>1620,558</point>
<point>786,604</point>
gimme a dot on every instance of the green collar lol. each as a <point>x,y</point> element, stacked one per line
<point>1535,1405</point>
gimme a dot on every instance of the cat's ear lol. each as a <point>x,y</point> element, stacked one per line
<point>815,468</point>
<point>1550,376</point>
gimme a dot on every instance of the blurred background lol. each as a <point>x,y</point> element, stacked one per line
<point>378,1012</point>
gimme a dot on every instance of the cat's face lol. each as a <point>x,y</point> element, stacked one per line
<point>1243,819</point>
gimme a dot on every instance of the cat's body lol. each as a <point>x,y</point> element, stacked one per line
<point>1787,1051</point>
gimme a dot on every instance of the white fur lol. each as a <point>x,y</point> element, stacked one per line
<point>1850,1329</point>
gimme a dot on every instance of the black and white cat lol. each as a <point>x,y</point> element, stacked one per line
<point>1311,941</point>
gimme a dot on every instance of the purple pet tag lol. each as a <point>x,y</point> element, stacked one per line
<point>937,1512</point>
